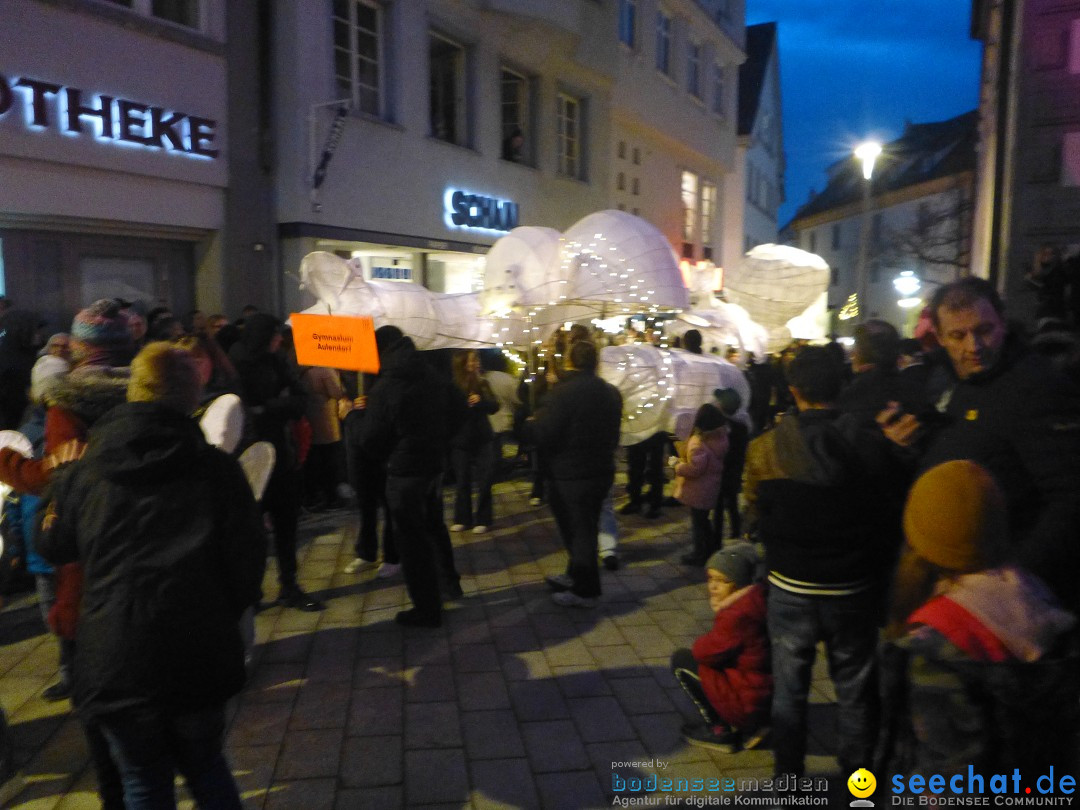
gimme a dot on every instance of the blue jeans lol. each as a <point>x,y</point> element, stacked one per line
<point>151,744</point>
<point>848,626</point>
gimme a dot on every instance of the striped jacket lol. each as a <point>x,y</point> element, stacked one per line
<point>818,491</point>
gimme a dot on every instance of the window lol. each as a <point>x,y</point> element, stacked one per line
<point>446,61</point>
<point>181,12</point>
<point>622,150</point>
<point>620,182</point>
<point>663,42</point>
<point>693,69</point>
<point>708,215</point>
<point>568,119</point>
<point>813,242</point>
<point>628,22</point>
<point>635,187</point>
<point>718,99</point>
<point>516,128</point>
<point>357,54</point>
<point>636,157</point>
<point>835,237</point>
<point>875,229</point>
<point>834,279</point>
<point>689,205</point>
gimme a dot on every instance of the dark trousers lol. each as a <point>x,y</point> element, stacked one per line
<point>576,505</point>
<point>422,539</point>
<point>321,472</point>
<point>645,465</point>
<point>368,481</point>
<point>848,626</point>
<point>282,503</point>
<point>727,503</point>
<point>685,670</point>
<point>701,532</point>
<point>150,745</point>
<point>465,462</point>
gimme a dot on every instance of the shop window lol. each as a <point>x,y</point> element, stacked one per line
<point>569,136</point>
<point>358,54</point>
<point>693,69</point>
<point>516,122</point>
<point>448,107</point>
<point>663,42</point>
<point>628,22</point>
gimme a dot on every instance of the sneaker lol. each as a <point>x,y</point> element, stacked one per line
<point>388,570</point>
<point>415,618</point>
<point>610,562</point>
<point>757,738</point>
<point>357,565</point>
<point>536,501</point>
<point>61,690</point>
<point>571,599</point>
<point>298,600</point>
<point>480,529</point>
<point>631,508</point>
<point>718,738</point>
<point>559,582</point>
<point>458,527</point>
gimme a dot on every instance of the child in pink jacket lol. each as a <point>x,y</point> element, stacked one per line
<point>697,478</point>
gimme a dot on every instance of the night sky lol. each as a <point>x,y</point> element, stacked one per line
<point>855,69</point>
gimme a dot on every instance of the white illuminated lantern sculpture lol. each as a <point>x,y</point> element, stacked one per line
<point>663,388</point>
<point>775,283</point>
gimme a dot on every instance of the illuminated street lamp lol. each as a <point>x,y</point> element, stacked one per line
<point>867,153</point>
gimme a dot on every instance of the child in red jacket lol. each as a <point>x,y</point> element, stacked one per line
<point>726,674</point>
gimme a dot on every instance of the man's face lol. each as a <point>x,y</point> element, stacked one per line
<point>973,337</point>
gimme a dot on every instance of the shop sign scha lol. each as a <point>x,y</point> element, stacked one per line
<point>74,112</point>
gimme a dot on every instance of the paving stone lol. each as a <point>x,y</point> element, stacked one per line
<point>322,705</point>
<point>503,784</point>
<point>432,725</point>
<point>553,745</point>
<point>309,754</point>
<point>491,735</point>
<point>311,794</point>
<point>376,711</point>
<point>641,695</point>
<point>600,719</point>
<point>436,776</point>
<point>537,700</point>
<point>578,790</point>
<point>371,762</point>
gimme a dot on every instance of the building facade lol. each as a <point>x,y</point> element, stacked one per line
<point>113,153</point>
<point>758,190</point>
<point>904,231</point>
<point>1029,162</point>
<point>411,135</point>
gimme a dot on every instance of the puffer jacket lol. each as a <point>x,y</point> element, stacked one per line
<point>173,551</point>
<point>733,660</point>
<point>698,477</point>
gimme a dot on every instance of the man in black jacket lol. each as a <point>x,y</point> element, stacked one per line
<point>577,431</point>
<point>1007,409</point>
<point>172,549</point>
<point>411,413</point>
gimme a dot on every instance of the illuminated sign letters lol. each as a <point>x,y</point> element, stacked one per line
<point>72,111</point>
<point>466,210</point>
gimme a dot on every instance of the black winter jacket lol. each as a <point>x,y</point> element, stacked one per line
<point>411,414</point>
<point>577,427</point>
<point>173,551</point>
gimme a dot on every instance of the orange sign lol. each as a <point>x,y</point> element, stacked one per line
<point>335,341</point>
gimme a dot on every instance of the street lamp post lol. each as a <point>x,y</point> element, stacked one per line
<point>866,152</point>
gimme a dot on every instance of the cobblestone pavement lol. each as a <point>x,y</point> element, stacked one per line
<point>514,702</point>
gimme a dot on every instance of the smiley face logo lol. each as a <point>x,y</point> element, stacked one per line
<point>861,783</point>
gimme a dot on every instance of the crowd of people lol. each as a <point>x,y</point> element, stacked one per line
<point>911,507</point>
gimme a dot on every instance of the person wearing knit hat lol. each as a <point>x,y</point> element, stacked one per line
<point>100,336</point>
<point>726,673</point>
<point>728,401</point>
<point>977,668</point>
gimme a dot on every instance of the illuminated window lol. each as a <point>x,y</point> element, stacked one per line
<point>708,216</point>
<point>568,120</point>
<point>693,69</point>
<point>447,100</point>
<point>358,54</point>
<point>689,205</point>
<point>663,42</point>
<point>628,22</point>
